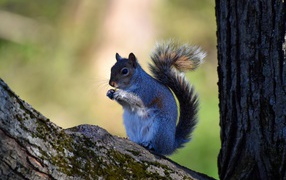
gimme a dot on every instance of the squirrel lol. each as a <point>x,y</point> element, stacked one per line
<point>150,109</point>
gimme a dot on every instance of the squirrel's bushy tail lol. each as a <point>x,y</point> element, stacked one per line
<point>170,60</point>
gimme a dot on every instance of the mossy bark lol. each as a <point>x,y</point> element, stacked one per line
<point>32,147</point>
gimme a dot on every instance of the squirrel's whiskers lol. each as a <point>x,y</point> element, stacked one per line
<point>98,85</point>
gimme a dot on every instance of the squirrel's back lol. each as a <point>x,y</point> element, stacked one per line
<point>170,60</point>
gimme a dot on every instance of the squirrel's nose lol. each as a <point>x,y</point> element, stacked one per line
<point>112,83</point>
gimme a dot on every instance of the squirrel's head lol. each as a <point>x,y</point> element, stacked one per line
<point>122,71</point>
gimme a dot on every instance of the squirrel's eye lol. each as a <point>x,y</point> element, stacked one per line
<point>124,71</point>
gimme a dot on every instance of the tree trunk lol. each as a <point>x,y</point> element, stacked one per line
<point>32,147</point>
<point>252,88</point>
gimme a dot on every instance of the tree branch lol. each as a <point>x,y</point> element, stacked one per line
<point>32,147</point>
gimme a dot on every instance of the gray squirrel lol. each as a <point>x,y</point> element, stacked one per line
<point>150,109</point>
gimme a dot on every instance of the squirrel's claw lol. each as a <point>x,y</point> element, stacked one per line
<point>110,93</point>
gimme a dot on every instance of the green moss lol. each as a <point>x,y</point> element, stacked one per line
<point>87,164</point>
<point>135,153</point>
<point>83,160</point>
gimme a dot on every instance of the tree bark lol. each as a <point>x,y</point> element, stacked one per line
<point>252,88</point>
<point>32,147</point>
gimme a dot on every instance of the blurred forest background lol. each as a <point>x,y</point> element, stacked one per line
<point>57,55</point>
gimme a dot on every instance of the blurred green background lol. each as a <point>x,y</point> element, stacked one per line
<point>57,55</point>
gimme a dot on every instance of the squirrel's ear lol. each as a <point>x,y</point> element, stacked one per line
<point>132,59</point>
<point>118,57</point>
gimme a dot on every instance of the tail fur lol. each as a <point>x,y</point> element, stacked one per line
<point>170,60</point>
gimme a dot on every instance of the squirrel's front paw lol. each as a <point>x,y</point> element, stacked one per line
<point>110,93</point>
<point>119,95</point>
